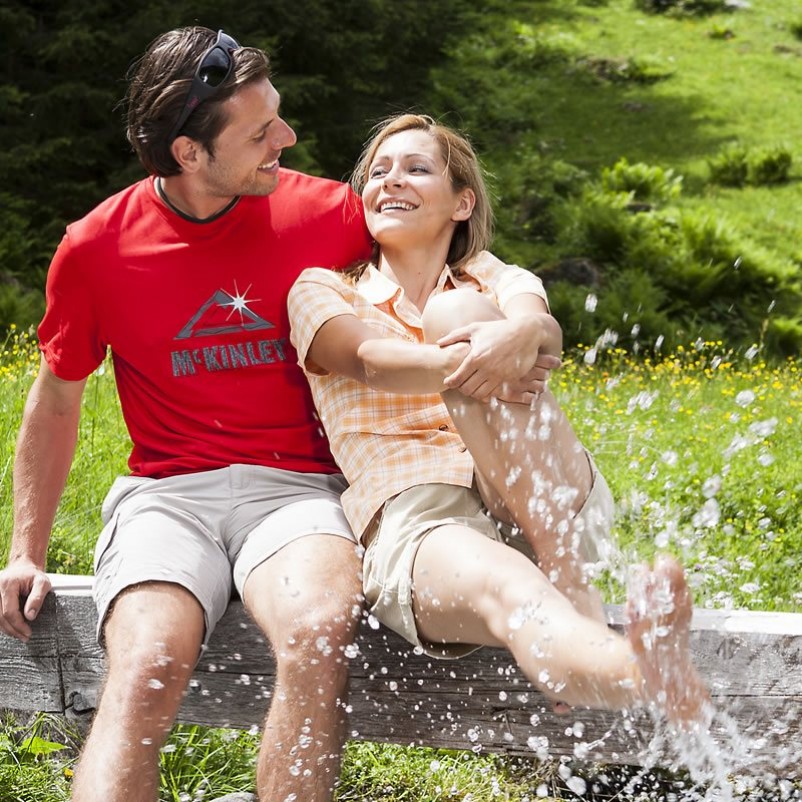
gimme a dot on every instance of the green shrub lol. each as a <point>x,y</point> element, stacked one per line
<point>626,70</point>
<point>597,225</point>
<point>721,31</point>
<point>729,167</point>
<point>784,336</point>
<point>666,273</point>
<point>646,182</point>
<point>628,311</point>
<point>796,29</point>
<point>528,191</point>
<point>736,166</point>
<point>19,306</point>
<point>681,6</point>
<point>730,281</point>
<point>770,166</point>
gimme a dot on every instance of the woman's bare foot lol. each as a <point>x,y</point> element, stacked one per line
<point>659,610</point>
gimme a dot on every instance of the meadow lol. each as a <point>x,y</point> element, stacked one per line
<point>700,448</point>
<point>699,443</point>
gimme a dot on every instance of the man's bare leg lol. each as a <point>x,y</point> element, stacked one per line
<point>153,638</point>
<point>307,599</point>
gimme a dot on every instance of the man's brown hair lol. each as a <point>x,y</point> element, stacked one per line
<point>159,83</point>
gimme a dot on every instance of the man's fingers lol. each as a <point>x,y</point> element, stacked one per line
<point>460,335</point>
<point>477,388</point>
<point>548,362</point>
<point>11,620</point>
<point>458,377</point>
<point>40,589</point>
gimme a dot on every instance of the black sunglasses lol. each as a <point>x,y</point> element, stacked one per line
<point>214,66</point>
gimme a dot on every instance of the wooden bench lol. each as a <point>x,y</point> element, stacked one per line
<point>752,661</point>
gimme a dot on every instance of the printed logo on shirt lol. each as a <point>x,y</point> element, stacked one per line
<point>209,319</point>
<point>214,318</point>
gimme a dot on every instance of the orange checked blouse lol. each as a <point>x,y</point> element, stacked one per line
<point>385,442</point>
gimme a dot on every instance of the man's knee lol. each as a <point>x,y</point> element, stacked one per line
<point>153,638</point>
<point>450,310</point>
<point>317,642</point>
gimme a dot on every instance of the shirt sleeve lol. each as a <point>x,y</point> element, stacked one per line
<point>317,296</point>
<point>69,335</point>
<point>505,280</point>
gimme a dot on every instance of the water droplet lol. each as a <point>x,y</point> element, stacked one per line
<point>708,516</point>
<point>155,684</point>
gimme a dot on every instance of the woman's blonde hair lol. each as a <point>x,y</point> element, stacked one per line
<point>470,236</point>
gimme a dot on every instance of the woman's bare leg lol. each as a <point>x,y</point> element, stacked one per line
<point>531,468</point>
<point>571,657</point>
<point>659,611</point>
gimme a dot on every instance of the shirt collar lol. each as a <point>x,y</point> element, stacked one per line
<point>376,288</point>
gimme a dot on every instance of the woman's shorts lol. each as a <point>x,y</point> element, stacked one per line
<point>393,539</point>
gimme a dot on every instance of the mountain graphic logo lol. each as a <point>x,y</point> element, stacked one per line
<point>214,316</point>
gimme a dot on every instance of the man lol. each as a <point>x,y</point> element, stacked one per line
<point>184,276</point>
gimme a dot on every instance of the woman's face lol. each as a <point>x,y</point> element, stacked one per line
<point>408,196</point>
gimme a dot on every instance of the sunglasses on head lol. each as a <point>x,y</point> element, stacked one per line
<point>214,66</point>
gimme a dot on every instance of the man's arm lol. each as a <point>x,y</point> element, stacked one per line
<point>522,345</point>
<point>45,448</point>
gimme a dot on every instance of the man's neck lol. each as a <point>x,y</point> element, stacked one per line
<point>196,205</point>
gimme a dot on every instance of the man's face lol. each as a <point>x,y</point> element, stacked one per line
<point>247,150</point>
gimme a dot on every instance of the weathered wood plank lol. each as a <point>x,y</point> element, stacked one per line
<point>29,672</point>
<point>751,661</point>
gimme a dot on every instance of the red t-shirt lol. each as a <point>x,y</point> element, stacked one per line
<point>195,316</point>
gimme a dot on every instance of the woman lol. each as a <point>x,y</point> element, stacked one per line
<point>428,370</point>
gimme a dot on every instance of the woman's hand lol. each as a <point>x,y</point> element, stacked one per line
<point>505,360</point>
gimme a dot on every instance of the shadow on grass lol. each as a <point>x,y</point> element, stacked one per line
<point>522,81</point>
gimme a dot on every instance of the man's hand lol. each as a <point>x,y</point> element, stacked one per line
<point>23,587</point>
<point>504,361</point>
<point>527,389</point>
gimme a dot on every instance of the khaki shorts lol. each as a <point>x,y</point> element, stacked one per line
<point>207,531</point>
<point>394,537</point>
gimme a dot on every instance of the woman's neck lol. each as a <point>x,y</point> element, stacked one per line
<point>415,270</point>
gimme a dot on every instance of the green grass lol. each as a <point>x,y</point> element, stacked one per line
<point>670,435</point>
<point>716,92</point>
<point>556,93</point>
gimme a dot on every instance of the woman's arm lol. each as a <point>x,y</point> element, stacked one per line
<point>347,346</point>
<point>523,344</point>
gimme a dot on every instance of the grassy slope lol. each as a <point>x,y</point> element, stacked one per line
<point>719,91</point>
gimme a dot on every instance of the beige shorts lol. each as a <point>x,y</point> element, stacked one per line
<point>394,537</point>
<point>207,531</point>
